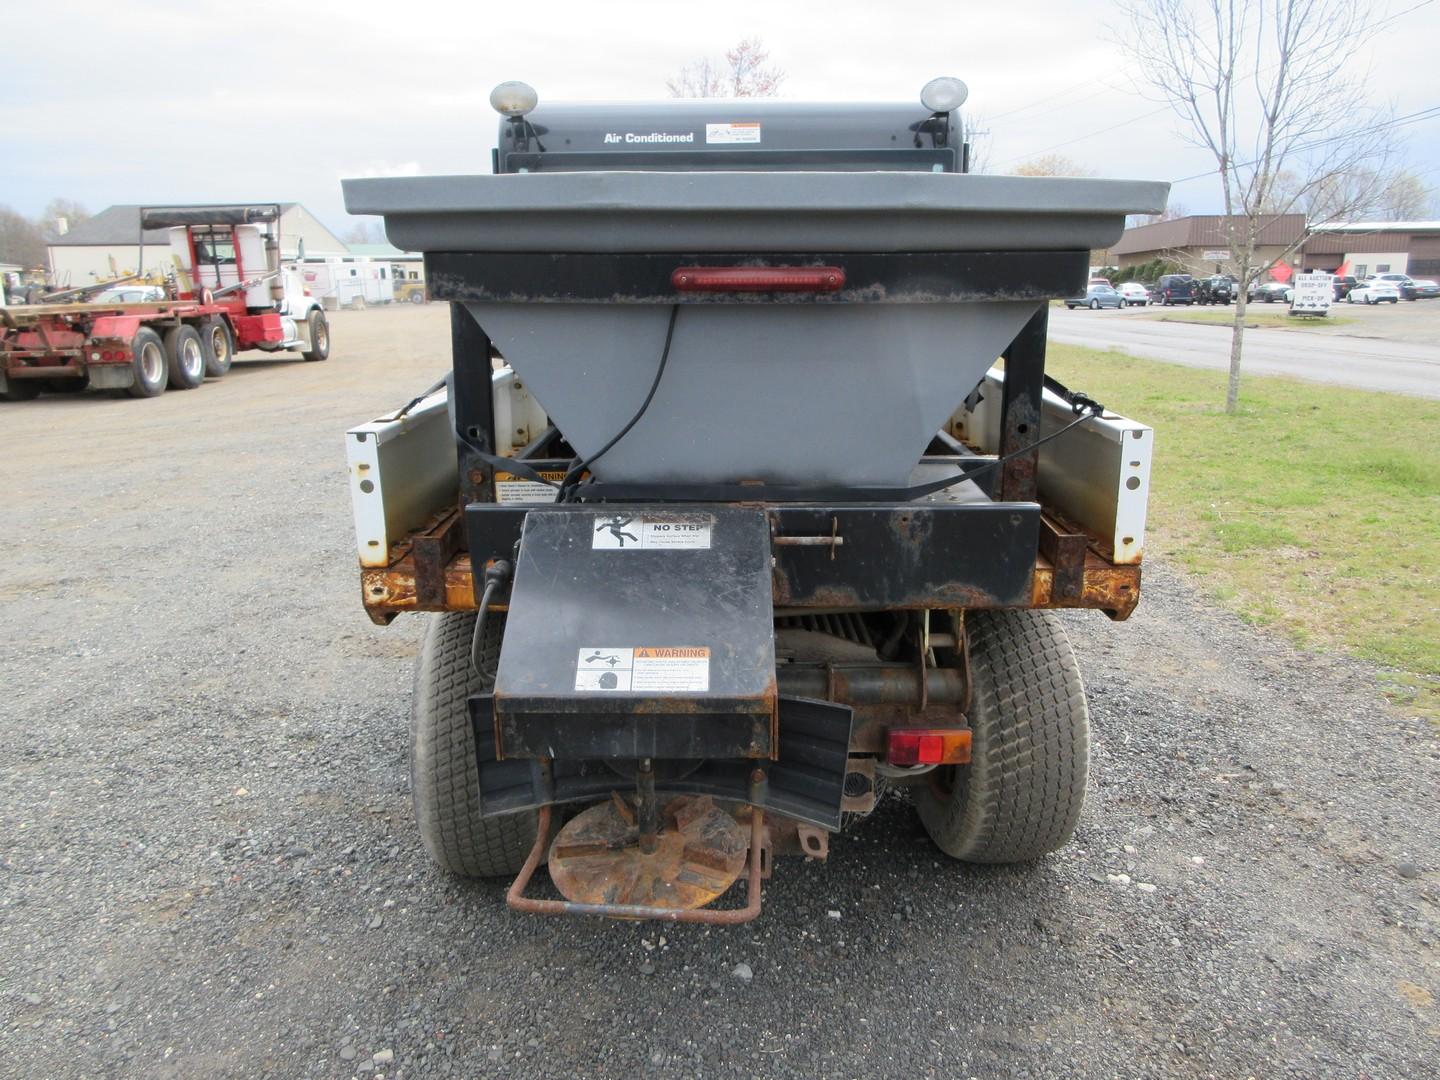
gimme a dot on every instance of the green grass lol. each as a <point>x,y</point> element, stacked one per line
<point>1262,318</point>
<point>1314,510</point>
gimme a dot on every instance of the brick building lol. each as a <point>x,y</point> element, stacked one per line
<point>1364,247</point>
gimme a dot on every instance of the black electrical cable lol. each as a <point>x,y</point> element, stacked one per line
<point>496,574</point>
<point>577,469</point>
<point>1083,405</point>
<point>968,474</point>
<point>421,397</point>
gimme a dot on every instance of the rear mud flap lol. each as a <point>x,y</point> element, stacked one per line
<point>806,782</point>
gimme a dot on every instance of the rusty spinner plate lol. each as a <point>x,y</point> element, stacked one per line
<point>596,857</point>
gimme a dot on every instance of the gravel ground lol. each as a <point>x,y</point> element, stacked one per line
<point>210,867</point>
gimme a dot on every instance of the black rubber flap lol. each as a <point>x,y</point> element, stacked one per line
<point>806,782</point>
<point>642,633</point>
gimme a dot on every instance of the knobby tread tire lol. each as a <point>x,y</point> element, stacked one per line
<point>1022,793</point>
<point>444,778</point>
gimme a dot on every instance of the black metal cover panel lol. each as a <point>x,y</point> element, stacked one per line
<point>908,556</point>
<point>897,555</point>
<point>639,633</point>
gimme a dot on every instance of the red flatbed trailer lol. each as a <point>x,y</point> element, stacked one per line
<point>146,347</point>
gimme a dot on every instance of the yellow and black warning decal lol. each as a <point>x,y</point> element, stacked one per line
<point>510,488</point>
<point>675,669</point>
<point>671,669</point>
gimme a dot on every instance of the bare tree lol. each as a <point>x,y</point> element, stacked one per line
<point>1262,85</point>
<point>1052,165</point>
<point>58,211</point>
<point>366,230</point>
<point>21,242</point>
<point>1364,195</point>
<point>745,72</point>
<point>1405,198</point>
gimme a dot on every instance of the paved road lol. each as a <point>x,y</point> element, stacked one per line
<point>1370,363</point>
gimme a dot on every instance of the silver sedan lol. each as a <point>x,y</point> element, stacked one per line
<point>1096,297</point>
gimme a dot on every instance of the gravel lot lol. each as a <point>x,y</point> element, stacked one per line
<point>210,867</point>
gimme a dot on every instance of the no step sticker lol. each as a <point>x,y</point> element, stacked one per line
<point>624,532</point>
<point>644,669</point>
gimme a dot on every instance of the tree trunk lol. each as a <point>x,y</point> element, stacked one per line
<point>1237,338</point>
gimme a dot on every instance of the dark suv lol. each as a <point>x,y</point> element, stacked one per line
<point>1343,284</point>
<point>1218,289</point>
<point>1174,289</point>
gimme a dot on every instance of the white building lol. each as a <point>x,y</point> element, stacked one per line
<point>110,244</point>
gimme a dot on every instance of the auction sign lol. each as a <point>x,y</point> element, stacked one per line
<point>1312,294</point>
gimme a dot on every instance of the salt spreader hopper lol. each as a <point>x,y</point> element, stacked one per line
<point>755,525</point>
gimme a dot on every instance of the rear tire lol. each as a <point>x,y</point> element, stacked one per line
<point>444,777</point>
<point>152,374</point>
<point>319,336</point>
<point>185,354</point>
<point>417,297</point>
<point>67,386</point>
<point>21,390</point>
<point>1021,794</point>
<point>219,345</point>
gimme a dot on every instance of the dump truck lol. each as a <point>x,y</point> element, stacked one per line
<point>747,498</point>
<point>232,294</point>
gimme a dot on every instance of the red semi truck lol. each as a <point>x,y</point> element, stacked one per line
<point>232,293</point>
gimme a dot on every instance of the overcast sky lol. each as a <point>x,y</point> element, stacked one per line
<point>161,101</point>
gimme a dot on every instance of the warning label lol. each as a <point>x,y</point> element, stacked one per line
<point>510,488</point>
<point>745,132</point>
<point>622,532</point>
<point>644,668</point>
<point>604,669</point>
<point>671,669</point>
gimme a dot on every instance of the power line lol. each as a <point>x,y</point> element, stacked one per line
<point>1089,135</point>
<point>1430,113</point>
<point>1067,91</point>
<point>1155,112</point>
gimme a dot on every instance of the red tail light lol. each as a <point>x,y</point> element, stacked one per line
<point>927,746</point>
<point>758,279</point>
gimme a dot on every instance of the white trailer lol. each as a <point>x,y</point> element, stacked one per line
<point>345,281</point>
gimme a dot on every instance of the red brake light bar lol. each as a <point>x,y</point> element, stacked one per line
<point>758,279</point>
<point>927,746</point>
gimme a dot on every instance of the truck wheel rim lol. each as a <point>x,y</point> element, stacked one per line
<point>151,363</point>
<point>322,336</point>
<point>192,358</point>
<point>220,345</point>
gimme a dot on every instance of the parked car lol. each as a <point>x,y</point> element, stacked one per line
<point>1343,284</point>
<point>1269,291</point>
<point>1398,279</point>
<point>1133,292</point>
<point>1096,297</point>
<point>1174,289</point>
<point>1216,289</point>
<point>1374,291</point>
<point>129,294</point>
<point>1420,289</point>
